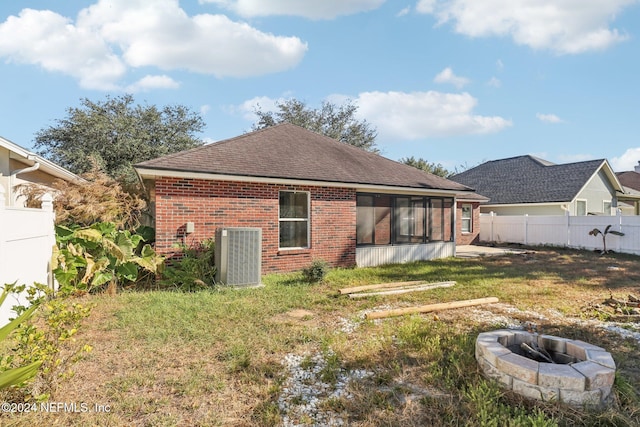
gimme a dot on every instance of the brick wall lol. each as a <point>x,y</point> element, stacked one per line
<point>468,238</point>
<point>213,204</point>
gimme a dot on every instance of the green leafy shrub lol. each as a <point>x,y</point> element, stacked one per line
<point>316,272</point>
<point>91,258</point>
<point>46,341</point>
<point>195,270</point>
<point>11,375</point>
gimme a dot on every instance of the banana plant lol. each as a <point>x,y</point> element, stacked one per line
<point>87,258</point>
<point>607,230</point>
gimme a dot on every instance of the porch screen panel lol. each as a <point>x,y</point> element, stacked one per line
<point>373,220</point>
<point>383,220</point>
<point>365,220</point>
<point>437,220</point>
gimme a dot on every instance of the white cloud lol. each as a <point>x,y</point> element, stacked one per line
<point>419,115</point>
<point>499,65</point>
<point>565,27</point>
<point>204,109</point>
<point>111,36</point>
<point>447,76</point>
<point>153,82</point>
<point>628,161</point>
<point>51,41</point>
<point>403,116</point>
<point>248,107</point>
<point>494,82</point>
<point>325,9</point>
<point>404,11</point>
<point>549,118</point>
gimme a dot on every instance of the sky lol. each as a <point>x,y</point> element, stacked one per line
<point>456,82</point>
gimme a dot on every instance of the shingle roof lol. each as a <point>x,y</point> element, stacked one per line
<point>527,179</point>
<point>292,152</point>
<point>630,179</point>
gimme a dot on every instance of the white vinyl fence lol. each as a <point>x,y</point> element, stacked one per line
<point>559,230</point>
<point>27,237</point>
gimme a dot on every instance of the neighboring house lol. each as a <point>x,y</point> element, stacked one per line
<point>20,166</point>
<point>529,185</point>
<point>630,180</point>
<point>312,196</point>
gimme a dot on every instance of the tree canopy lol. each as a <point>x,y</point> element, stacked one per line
<point>335,121</point>
<point>422,164</point>
<point>118,133</point>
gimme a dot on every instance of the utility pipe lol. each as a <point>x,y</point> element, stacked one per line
<point>15,173</point>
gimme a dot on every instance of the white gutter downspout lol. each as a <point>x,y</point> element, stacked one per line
<point>15,173</point>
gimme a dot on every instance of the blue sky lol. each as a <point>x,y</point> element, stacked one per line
<point>456,82</point>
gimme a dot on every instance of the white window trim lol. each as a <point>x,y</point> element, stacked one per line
<point>604,202</point>
<point>586,207</point>
<point>470,219</point>
<point>307,220</point>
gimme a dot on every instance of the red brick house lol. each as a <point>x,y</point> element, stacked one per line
<point>312,196</point>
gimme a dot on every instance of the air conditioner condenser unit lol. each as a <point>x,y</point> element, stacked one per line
<point>238,256</point>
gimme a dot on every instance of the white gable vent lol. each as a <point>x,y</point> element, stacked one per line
<point>238,253</point>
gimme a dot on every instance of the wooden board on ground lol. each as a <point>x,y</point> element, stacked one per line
<point>403,290</point>
<point>430,308</point>
<point>387,286</point>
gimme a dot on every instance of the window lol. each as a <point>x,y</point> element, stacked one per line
<point>467,218</point>
<point>581,207</point>
<point>606,207</point>
<point>294,219</point>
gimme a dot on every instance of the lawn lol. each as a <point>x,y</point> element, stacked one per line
<point>292,353</point>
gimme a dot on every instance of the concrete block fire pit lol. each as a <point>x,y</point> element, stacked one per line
<point>582,374</point>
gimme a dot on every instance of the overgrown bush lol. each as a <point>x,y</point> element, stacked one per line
<point>98,198</point>
<point>193,271</point>
<point>92,258</point>
<point>316,272</point>
<point>47,341</point>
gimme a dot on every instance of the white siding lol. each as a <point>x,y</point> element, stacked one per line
<point>371,256</point>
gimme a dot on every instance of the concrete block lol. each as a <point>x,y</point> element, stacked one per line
<point>578,349</point>
<point>580,398</point>
<point>519,367</point>
<point>597,376</point>
<point>548,394</point>
<point>601,357</point>
<point>560,376</point>
<point>551,343</point>
<point>492,372</point>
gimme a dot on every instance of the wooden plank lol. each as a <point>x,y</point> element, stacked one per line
<point>385,286</point>
<point>405,290</point>
<point>429,308</point>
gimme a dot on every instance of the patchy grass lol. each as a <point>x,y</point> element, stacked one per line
<point>216,358</point>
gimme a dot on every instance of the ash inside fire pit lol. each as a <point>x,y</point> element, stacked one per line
<point>546,367</point>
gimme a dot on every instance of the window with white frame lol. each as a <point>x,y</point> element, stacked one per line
<point>294,219</point>
<point>467,218</point>
<point>581,207</point>
<point>606,207</point>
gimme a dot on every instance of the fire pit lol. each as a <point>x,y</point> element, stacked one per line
<point>546,367</point>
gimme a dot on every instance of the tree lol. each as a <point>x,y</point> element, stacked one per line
<point>335,121</point>
<point>422,164</point>
<point>117,133</point>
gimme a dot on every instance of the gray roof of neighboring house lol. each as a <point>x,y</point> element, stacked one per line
<point>629,179</point>
<point>286,151</point>
<point>528,179</point>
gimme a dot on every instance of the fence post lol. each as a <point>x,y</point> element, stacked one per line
<point>526,228</point>
<point>492,214</point>
<point>2,221</point>
<point>619,238</point>
<point>568,216</point>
